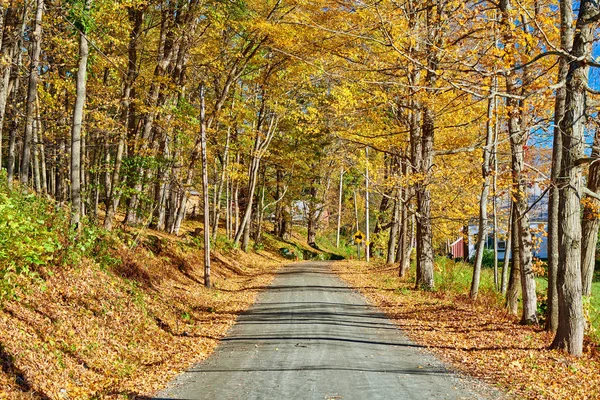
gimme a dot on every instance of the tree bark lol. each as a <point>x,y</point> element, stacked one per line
<point>569,333</point>
<point>36,42</point>
<point>9,50</point>
<point>261,144</point>
<point>517,136</point>
<point>206,204</point>
<point>367,216</point>
<point>222,180</point>
<point>483,201</point>
<point>514,280</point>
<point>394,228</point>
<point>507,251</point>
<point>566,41</point>
<point>590,224</point>
<point>136,17</point>
<point>76,155</point>
<point>339,213</point>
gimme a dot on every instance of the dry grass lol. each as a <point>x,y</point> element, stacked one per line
<point>479,338</point>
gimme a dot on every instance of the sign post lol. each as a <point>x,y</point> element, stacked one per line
<point>358,238</point>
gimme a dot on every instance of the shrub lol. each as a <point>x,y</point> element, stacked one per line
<point>29,237</point>
<point>488,258</point>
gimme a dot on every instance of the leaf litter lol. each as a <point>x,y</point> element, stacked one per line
<point>479,338</point>
<point>123,332</point>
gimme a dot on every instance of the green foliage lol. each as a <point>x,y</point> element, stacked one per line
<point>456,276</point>
<point>592,312</point>
<point>488,258</point>
<point>36,233</point>
<point>346,250</point>
<point>29,237</point>
<point>81,18</point>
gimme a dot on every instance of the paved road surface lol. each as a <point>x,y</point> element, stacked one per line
<point>309,336</point>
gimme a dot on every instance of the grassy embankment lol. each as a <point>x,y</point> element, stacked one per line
<point>479,337</point>
<point>111,315</point>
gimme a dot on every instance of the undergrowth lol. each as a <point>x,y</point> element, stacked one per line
<point>35,233</point>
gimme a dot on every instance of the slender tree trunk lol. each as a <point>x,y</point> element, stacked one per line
<point>393,239</point>
<point>14,126</point>
<point>36,157</point>
<point>76,155</point>
<point>514,281</point>
<point>36,42</point>
<point>219,192</point>
<point>425,254</point>
<point>236,199</point>
<point>9,51</point>
<point>339,213</point>
<point>483,202</point>
<point>260,146</point>
<point>507,250</point>
<point>495,191</point>
<point>356,212</point>
<point>590,224</point>
<point>569,333</point>
<point>206,204</point>
<point>228,212</point>
<point>311,217</point>
<point>566,40</point>
<point>136,16</point>
<point>517,136</point>
<point>367,216</point>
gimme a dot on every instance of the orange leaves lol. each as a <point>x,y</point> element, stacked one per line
<point>479,338</point>
<point>98,334</point>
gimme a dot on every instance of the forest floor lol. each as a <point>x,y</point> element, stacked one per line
<point>478,338</point>
<point>124,330</point>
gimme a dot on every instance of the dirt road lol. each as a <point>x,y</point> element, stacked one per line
<point>309,336</point>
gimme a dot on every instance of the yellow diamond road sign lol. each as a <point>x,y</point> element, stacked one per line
<point>358,237</point>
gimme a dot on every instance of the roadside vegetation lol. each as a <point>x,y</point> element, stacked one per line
<point>97,314</point>
<point>479,337</point>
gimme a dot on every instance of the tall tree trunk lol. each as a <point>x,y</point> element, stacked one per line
<point>8,52</point>
<point>356,212</point>
<point>569,333</point>
<point>590,224</point>
<point>566,41</point>
<point>205,203</point>
<point>222,181</point>
<point>367,216</point>
<point>394,228</point>
<point>166,49</point>
<point>425,254</point>
<point>76,154</point>
<point>261,143</point>
<point>514,280</point>
<point>483,201</point>
<point>14,126</point>
<point>507,250</point>
<point>36,47</point>
<point>339,213</point>
<point>136,17</point>
<point>517,136</point>
<point>36,157</point>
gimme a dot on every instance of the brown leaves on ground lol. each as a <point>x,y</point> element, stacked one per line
<point>125,331</point>
<point>479,338</point>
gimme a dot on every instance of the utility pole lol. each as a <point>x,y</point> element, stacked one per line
<point>367,243</point>
<point>339,216</point>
